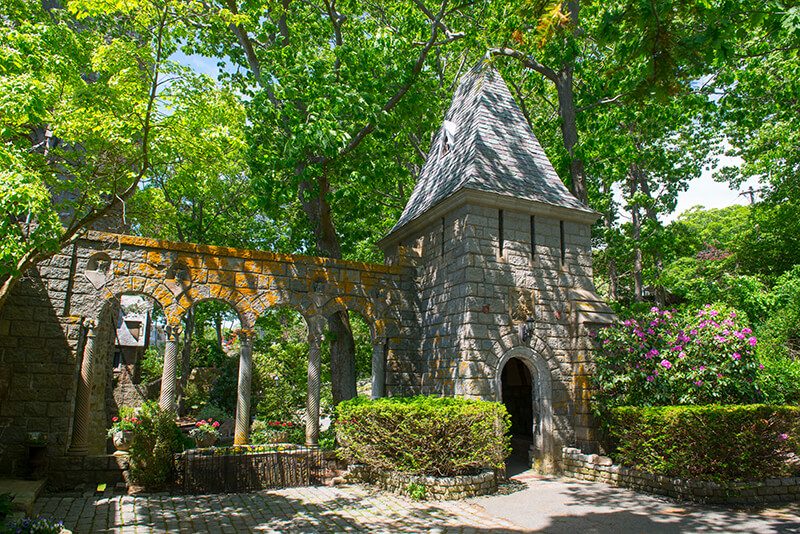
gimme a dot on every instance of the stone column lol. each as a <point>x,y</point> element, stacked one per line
<point>80,423</point>
<point>314,374</point>
<point>242,432</point>
<point>378,369</point>
<point>169,375</point>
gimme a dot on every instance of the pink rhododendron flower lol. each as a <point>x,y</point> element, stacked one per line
<point>736,356</point>
<point>752,341</point>
<point>651,378</point>
<point>665,364</point>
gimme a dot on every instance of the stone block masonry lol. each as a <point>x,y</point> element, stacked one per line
<point>435,488</point>
<point>596,468</point>
<point>57,328</point>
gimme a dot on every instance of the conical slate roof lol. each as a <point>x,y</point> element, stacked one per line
<point>485,144</point>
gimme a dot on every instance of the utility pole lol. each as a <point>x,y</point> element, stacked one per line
<point>751,193</point>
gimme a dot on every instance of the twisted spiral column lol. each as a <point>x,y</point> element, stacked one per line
<point>242,432</point>
<point>314,374</point>
<point>170,373</point>
<point>80,423</point>
<point>378,369</point>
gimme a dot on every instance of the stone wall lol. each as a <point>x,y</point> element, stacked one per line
<point>42,335</point>
<point>595,468</point>
<point>436,488</point>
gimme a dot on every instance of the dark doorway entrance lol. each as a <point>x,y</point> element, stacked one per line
<point>518,397</point>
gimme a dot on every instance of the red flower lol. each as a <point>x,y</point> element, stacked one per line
<point>115,419</point>
<point>215,424</point>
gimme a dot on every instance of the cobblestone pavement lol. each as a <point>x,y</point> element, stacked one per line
<point>349,508</point>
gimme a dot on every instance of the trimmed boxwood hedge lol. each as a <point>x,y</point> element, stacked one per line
<point>723,443</point>
<point>423,435</point>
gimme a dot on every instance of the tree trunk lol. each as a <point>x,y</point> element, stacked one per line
<point>186,360</point>
<point>610,261</point>
<point>569,133</point>
<point>661,297</point>
<point>636,224</point>
<point>342,347</point>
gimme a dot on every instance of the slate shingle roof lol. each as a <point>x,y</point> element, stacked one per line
<point>493,150</point>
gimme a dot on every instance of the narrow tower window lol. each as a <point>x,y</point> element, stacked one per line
<point>500,232</point>
<point>563,244</point>
<point>442,238</point>
<point>533,238</point>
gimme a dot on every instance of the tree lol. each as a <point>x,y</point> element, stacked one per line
<point>327,81</point>
<point>81,107</point>
<point>758,110</point>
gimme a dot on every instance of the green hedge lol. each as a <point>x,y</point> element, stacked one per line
<point>707,442</point>
<point>423,435</point>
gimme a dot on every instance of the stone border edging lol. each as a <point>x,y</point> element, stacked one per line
<point>596,468</point>
<point>437,488</point>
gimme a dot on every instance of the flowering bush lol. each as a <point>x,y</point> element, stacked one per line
<point>127,423</point>
<point>205,427</point>
<point>262,432</point>
<point>661,360</point>
<point>156,438</point>
<point>31,525</point>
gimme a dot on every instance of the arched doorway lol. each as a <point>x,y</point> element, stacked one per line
<point>519,397</point>
<point>523,384</point>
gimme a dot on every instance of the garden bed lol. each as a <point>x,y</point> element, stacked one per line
<point>247,468</point>
<point>596,468</point>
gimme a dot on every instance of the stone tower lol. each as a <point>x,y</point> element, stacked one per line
<point>504,272</point>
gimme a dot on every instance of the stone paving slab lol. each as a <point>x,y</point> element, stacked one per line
<point>350,508</point>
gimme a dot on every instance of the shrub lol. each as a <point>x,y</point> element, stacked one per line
<point>263,432</point>
<point>152,363</point>
<point>780,379</point>
<point>661,360</point>
<point>156,439</point>
<point>423,435</point>
<point>209,411</point>
<point>707,442</point>
<point>207,353</point>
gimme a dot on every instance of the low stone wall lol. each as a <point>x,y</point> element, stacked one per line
<point>437,488</point>
<point>68,472</point>
<point>598,468</point>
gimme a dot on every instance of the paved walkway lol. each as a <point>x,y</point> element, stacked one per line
<point>527,504</point>
<point>296,510</point>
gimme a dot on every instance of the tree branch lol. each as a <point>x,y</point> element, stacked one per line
<point>395,99</point>
<point>526,61</point>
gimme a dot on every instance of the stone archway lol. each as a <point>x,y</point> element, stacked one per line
<point>523,384</point>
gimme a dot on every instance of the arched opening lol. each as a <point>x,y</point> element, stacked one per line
<point>280,375</point>
<point>518,393</point>
<point>129,327</point>
<point>208,365</point>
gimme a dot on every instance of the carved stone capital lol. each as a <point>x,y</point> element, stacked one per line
<point>174,331</point>
<point>246,335</point>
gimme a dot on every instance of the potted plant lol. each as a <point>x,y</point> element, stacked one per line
<point>205,433</point>
<point>121,431</point>
<point>279,431</point>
